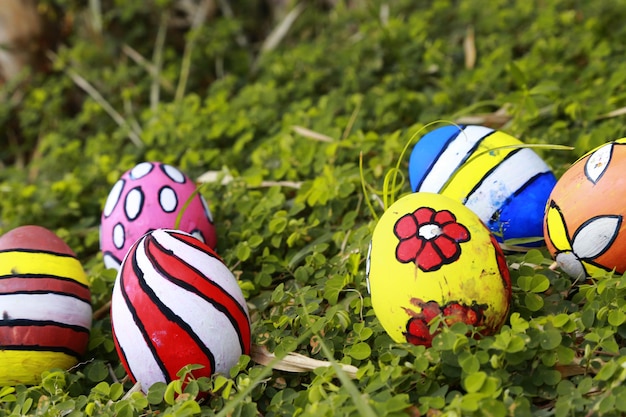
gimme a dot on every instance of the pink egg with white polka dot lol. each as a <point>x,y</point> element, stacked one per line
<point>150,196</point>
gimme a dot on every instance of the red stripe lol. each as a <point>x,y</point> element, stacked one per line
<point>122,356</point>
<point>51,337</point>
<point>192,241</point>
<point>172,343</point>
<point>59,285</point>
<point>179,271</point>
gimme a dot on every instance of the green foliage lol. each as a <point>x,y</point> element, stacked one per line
<point>282,130</point>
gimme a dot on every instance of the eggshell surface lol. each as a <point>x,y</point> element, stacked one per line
<point>147,197</point>
<point>583,224</point>
<point>490,172</point>
<point>430,256</point>
<point>45,305</point>
<point>175,303</point>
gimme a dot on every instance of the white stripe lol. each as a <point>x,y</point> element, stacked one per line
<point>138,355</point>
<point>211,326</point>
<point>208,265</point>
<point>508,177</point>
<point>45,307</point>
<point>453,157</point>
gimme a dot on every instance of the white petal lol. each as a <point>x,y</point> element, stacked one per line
<point>598,162</point>
<point>571,265</point>
<point>595,236</point>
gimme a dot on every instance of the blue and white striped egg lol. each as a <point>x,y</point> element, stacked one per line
<point>493,174</point>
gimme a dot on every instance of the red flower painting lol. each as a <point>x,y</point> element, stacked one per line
<point>418,328</point>
<point>429,238</point>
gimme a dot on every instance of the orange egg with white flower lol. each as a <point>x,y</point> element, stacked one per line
<point>432,256</point>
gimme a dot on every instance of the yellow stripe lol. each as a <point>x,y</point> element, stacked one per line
<point>472,172</point>
<point>556,230</point>
<point>16,262</point>
<point>592,269</point>
<point>25,367</point>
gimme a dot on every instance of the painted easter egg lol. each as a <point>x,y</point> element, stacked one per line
<point>583,225</point>
<point>175,303</point>
<point>430,255</point>
<point>45,305</point>
<point>505,184</point>
<point>150,196</point>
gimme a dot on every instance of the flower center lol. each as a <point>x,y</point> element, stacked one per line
<point>429,231</point>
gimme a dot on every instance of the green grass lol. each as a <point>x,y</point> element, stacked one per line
<point>305,119</point>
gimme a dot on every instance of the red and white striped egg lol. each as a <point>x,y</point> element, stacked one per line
<point>176,303</point>
<point>147,197</point>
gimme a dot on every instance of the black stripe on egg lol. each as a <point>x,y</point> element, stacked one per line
<point>167,313</point>
<point>43,336</point>
<point>130,267</point>
<point>38,251</point>
<point>197,233</point>
<point>528,183</point>
<point>44,284</point>
<point>217,292</point>
<point>451,142</point>
<point>491,171</point>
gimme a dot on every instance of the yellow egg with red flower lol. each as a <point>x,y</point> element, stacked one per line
<point>432,256</point>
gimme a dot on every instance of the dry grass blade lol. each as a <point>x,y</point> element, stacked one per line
<point>286,184</point>
<point>102,311</point>
<point>228,12</point>
<point>214,176</point>
<point>95,94</point>
<point>225,178</point>
<point>135,388</point>
<point>383,14</point>
<point>278,34</point>
<point>295,362</point>
<point>198,20</point>
<point>280,31</point>
<point>493,120</point>
<point>311,134</point>
<point>614,113</point>
<point>152,69</point>
<point>469,47</point>
<point>96,15</point>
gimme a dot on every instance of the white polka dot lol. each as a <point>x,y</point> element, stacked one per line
<point>133,203</point>
<point>174,174</point>
<point>111,262</point>
<point>167,199</point>
<point>118,236</point>
<point>113,198</point>
<point>198,235</point>
<point>140,170</point>
<point>206,208</point>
